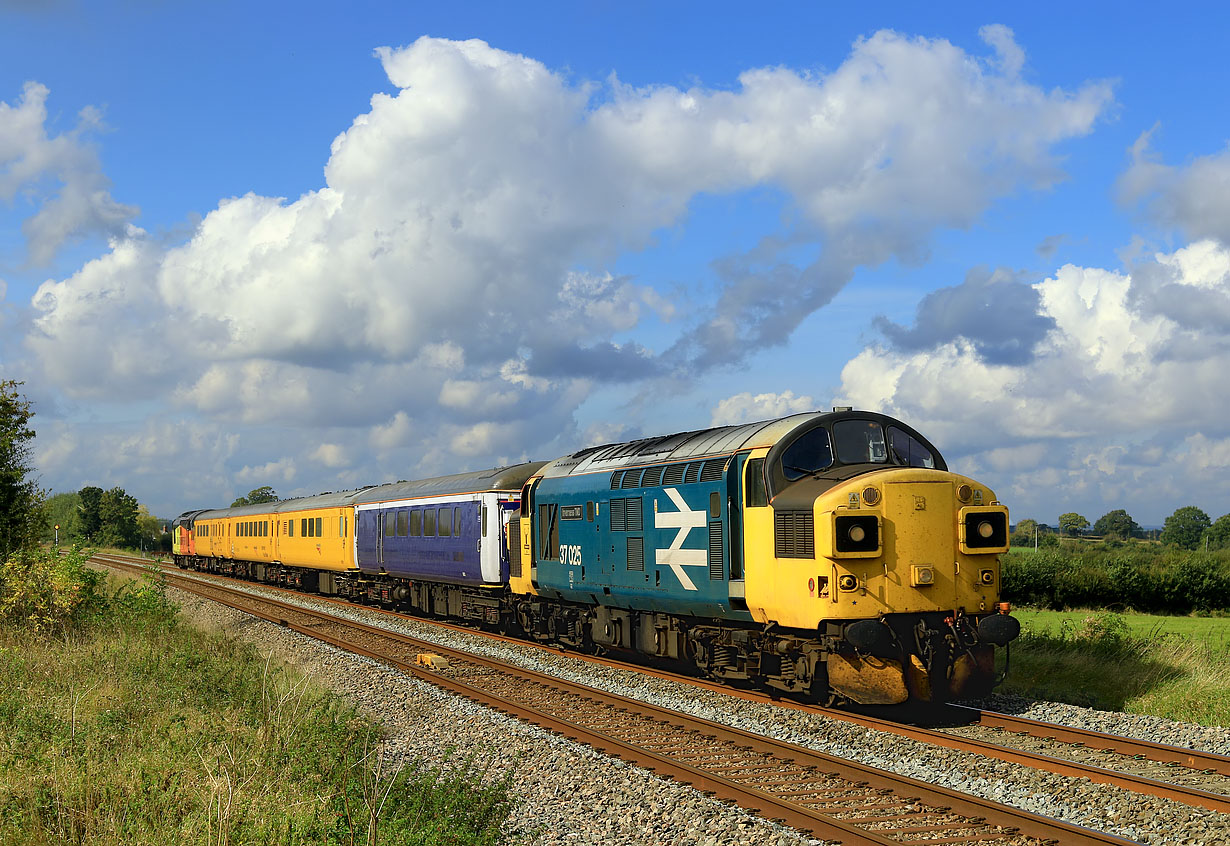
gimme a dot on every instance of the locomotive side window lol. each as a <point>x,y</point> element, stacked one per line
<point>860,442</point>
<point>907,450</point>
<point>809,454</point>
<point>548,522</point>
<point>757,496</point>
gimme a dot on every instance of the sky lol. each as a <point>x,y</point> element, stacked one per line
<point>318,246</point>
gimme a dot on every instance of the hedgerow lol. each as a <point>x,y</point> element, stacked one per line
<point>1171,581</point>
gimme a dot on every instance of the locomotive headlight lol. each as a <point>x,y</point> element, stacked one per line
<point>983,529</point>
<point>855,535</point>
<point>964,492</point>
<point>923,576</point>
<point>847,582</point>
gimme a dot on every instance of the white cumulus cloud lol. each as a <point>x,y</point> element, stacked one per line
<point>456,266</point>
<point>746,407</point>
<point>1127,384</point>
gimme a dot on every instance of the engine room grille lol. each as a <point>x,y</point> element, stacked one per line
<point>717,566</point>
<point>514,547</point>
<point>713,469</point>
<point>794,534</point>
<point>636,554</point>
<point>632,479</point>
<point>674,474</point>
<point>626,515</point>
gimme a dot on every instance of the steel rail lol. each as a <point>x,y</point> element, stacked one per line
<point>1007,818</point>
<point>1191,758</point>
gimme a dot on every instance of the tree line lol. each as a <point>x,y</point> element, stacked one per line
<point>1188,527</point>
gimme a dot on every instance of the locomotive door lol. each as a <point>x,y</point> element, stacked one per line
<point>734,519</point>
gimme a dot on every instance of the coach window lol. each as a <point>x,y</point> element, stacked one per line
<point>446,522</point>
<point>457,521</point>
<point>416,523</point>
<point>429,522</point>
<point>388,525</point>
<point>320,526</point>
<point>482,522</point>
<point>290,528</point>
<point>403,522</point>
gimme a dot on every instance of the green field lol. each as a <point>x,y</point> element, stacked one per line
<point>1175,667</point>
<point>1215,630</point>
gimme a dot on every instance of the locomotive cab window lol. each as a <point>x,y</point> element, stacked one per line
<point>811,453</point>
<point>860,442</point>
<point>907,450</point>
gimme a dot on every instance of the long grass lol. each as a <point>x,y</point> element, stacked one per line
<point>1172,667</point>
<point>131,728</point>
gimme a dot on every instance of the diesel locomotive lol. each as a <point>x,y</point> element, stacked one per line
<point>831,555</point>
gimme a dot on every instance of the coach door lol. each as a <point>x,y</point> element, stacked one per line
<point>380,525</point>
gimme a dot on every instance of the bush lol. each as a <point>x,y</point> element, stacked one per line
<point>47,593</point>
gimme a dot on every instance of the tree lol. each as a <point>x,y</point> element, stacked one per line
<point>1218,534</point>
<point>261,495</point>
<point>21,501</point>
<point>1117,523</point>
<point>117,514</point>
<point>1185,527</point>
<point>1072,523</point>
<point>90,522</point>
<point>1025,532</point>
<point>64,510</point>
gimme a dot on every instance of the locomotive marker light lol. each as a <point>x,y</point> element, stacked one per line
<point>924,576</point>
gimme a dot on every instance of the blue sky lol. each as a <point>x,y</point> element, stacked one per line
<point>237,239</point>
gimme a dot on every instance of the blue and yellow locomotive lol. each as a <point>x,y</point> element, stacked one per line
<point>825,554</point>
<point>830,554</point>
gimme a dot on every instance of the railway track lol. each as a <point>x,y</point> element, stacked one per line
<point>830,797</point>
<point>1194,778</point>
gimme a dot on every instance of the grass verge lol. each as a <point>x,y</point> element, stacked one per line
<point>1174,667</point>
<point>127,727</point>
